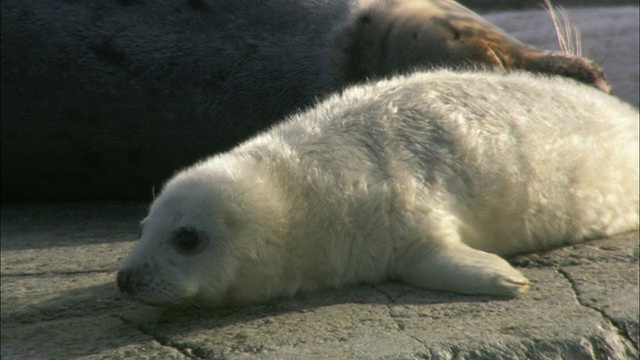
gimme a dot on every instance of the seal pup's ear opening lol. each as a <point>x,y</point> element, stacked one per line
<point>398,36</point>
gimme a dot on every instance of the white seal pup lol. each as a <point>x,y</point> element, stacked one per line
<point>428,179</point>
<point>112,86</point>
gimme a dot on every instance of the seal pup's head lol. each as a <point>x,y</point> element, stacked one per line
<point>389,37</point>
<point>209,221</point>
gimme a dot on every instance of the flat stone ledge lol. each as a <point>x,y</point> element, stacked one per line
<point>59,299</point>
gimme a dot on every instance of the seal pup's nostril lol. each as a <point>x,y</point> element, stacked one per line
<point>124,282</point>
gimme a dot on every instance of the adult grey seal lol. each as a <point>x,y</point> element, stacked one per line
<point>92,90</point>
<point>428,178</point>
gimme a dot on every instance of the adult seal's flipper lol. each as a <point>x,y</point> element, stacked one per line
<point>398,36</point>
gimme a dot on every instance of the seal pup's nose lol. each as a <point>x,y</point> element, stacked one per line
<point>124,281</point>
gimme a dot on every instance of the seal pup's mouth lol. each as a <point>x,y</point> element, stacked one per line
<point>132,285</point>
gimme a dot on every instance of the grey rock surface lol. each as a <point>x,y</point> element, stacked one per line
<point>59,300</point>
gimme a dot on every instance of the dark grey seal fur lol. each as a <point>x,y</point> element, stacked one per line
<point>102,100</point>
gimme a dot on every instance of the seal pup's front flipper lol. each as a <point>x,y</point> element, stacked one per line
<point>459,268</point>
<point>441,261</point>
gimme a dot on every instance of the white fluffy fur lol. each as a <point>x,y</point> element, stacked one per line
<point>422,178</point>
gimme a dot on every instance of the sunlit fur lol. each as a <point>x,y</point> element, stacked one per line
<point>402,179</point>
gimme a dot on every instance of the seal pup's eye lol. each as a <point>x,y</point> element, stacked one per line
<point>188,241</point>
